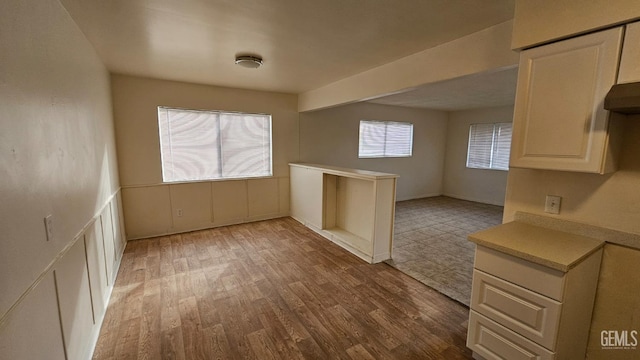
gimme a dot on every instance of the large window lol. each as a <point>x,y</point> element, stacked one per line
<point>385,139</point>
<point>489,146</point>
<point>207,145</point>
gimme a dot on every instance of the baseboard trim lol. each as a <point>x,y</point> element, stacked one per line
<point>414,197</point>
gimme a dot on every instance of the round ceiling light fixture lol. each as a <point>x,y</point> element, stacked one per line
<point>249,61</point>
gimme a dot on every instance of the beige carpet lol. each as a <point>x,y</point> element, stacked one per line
<point>430,241</point>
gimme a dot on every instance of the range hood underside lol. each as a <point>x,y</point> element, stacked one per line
<point>623,98</point>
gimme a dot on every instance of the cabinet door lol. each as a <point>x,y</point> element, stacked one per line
<point>559,119</point>
<point>630,61</point>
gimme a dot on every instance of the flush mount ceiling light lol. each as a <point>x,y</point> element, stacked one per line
<point>249,61</point>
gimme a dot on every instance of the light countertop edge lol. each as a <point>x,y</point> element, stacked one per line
<point>340,171</point>
<point>548,247</point>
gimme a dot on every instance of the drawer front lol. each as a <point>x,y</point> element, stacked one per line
<point>495,342</point>
<point>532,315</point>
<point>543,280</point>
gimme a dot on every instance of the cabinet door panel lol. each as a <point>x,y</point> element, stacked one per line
<point>629,63</point>
<point>559,119</point>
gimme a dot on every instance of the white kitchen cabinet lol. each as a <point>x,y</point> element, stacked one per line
<point>559,119</point>
<point>353,208</point>
<point>630,61</point>
<point>533,293</point>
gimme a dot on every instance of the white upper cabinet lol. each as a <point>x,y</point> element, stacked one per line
<point>559,119</point>
<point>630,62</point>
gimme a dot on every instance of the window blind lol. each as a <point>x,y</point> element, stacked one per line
<point>207,145</point>
<point>489,146</point>
<point>385,139</point>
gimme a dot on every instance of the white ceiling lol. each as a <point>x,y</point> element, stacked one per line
<point>305,44</point>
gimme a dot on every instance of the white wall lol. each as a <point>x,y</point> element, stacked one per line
<point>330,137</point>
<point>485,186</point>
<point>150,206</point>
<point>58,157</point>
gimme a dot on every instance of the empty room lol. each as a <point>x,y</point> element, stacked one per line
<point>279,179</point>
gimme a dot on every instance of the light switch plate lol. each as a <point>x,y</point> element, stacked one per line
<point>552,204</point>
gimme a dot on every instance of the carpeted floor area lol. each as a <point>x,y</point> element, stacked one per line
<point>430,241</point>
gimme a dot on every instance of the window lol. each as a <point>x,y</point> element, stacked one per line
<point>489,146</point>
<point>207,145</point>
<point>385,139</point>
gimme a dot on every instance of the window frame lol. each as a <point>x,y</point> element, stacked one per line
<point>494,142</point>
<point>386,125</point>
<point>218,113</point>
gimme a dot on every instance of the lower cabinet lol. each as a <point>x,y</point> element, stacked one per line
<point>524,310</point>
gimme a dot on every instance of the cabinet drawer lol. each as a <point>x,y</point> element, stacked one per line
<point>543,280</point>
<point>532,315</point>
<point>493,341</point>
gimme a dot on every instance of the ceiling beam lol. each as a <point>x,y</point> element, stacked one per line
<point>485,50</point>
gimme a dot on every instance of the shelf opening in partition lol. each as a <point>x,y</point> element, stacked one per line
<point>348,207</point>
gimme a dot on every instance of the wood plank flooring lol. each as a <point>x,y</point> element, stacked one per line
<point>271,290</point>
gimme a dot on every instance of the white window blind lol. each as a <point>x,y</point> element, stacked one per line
<point>489,146</point>
<point>208,145</point>
<point>385,139</point>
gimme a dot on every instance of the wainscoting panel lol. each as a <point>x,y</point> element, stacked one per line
<point>162,209</point>
<point>97,269</point>
<point>191,205</point>
<point>263,197</point>
<point>59,316</point>
<point>109,245</point>
<point>229,201</point>
<point>74,296</point>
<point>147,211</point>
<point>32,330</point>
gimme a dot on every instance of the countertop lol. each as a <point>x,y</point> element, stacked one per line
<point>548,247</point>
<point>340,171</point>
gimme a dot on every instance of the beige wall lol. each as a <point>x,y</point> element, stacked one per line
<point>330,137</point>
<point>485,186</point>
<point>617,305</point>
<point>150,207</point>
<point>58,158</point>
<point>610,201</point>
<point>541,21</point>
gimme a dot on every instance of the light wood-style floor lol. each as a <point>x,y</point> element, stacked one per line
<point>271,290</point>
